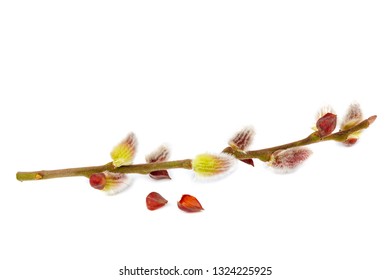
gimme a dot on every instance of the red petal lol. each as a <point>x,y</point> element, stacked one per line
<point>189,203</point>
<point>154,201</point>
<point>159,175</point>
<point>248,161</point>
<point>326,124</point>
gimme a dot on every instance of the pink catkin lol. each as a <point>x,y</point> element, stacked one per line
<point>242,139</point>
<point>290,158</point>
<point>159,155</point>
<point>353,116</point>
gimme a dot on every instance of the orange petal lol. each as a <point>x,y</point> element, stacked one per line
<point>189,203</point>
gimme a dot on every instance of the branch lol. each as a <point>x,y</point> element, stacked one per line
<point>263,155</point>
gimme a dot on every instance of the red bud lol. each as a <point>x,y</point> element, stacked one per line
<point>189,203</point>
<point>154,201</point>
<point>326,124</point>
<point>97,181</point>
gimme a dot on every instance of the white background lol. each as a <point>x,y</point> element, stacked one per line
<point>77,76</point>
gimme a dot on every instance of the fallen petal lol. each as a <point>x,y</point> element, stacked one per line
<point>154,201</point>
<point>189,203</point>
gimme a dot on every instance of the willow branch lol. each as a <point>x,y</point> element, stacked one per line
<point>146,168</point>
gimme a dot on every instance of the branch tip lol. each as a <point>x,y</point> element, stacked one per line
<point>372,119</point>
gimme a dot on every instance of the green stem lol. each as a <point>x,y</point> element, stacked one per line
<point>146,168</point>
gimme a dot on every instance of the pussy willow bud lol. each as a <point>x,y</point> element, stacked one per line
<point>289,159</point>
<point>208,165</point>
<point>353,117</point>
<point>159,155</point>
<point>123,153</point>
<point>109,182</point>
<point>242,139</point>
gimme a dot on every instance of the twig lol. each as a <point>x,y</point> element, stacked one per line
<point>263,155</point>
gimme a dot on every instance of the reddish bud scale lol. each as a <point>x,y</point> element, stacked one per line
<point>159,175</point>
<point>97,180</point>
<point>155,201</point>
<point>326,124</point>
<point>189,203</point>
<point>350,142</point>
<point>248,161</point>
